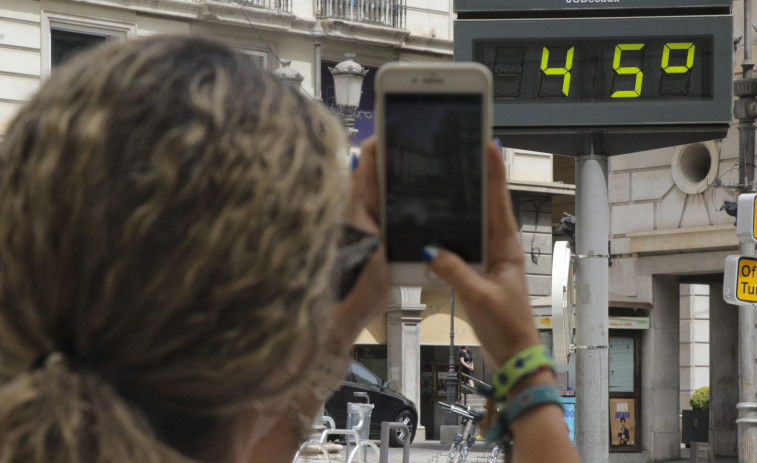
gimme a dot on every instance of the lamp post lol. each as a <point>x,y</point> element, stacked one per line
<point>289,76</point>
<point>317,34</point>
<point>348,87</point>
<point>451,381</point>
<point>745,110</point>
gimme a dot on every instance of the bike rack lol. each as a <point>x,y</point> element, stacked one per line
<point>361,455</point>
<point>386,427</point>
<point>329,424</point>
<point>317,443</point>
<point>321,444</point>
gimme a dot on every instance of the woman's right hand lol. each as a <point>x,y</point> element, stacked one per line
<point>499,310</point>
<point>497,303</point>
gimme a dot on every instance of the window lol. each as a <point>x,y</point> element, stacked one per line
<point>64,35</point>
<point>364,376</point>
<point>622,363</point>
<point>625,397</point>
<point>65,44</point>
<point>624,386</point>
<point>258,58</point>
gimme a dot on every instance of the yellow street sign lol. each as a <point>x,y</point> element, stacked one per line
<point>740,280</point>
<point>746,285</point>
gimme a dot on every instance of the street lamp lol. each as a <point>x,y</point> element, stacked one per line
<point>451,381</point>
<point>348,86</point>
<point>289,76</point>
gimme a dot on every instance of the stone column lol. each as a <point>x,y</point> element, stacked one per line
<point>724,373</point>
<point>659,378</point>
<point>403,316</point>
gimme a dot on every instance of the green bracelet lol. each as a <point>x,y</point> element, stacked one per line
<point>540,394</point>
<point>524,363</point>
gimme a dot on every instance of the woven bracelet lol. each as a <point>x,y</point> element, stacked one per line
<point>534,396</point>
<point>524,363</point>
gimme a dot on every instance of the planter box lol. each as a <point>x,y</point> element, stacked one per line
<point>695,426</point>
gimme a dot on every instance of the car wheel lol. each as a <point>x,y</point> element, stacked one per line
<point>397,436</point>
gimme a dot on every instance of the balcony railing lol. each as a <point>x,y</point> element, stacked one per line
<point>383,12</point>
<point>278,5</point>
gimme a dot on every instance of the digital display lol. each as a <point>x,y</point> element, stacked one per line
<point>629,83</point>
<point>620,69</point>
<point>597,6</point>
<point>433,174</point>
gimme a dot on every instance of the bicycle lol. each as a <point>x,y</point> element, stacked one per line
<point>465,436</point>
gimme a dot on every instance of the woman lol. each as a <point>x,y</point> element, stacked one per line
<point>170,225</point>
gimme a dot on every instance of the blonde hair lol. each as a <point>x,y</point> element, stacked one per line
<point>168,224</point>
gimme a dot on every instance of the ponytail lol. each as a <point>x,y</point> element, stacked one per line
<point>53,414</point>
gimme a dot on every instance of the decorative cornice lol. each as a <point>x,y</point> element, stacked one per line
<point>684,239</point>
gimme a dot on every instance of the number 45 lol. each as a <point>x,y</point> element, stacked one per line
<point>566,70</point>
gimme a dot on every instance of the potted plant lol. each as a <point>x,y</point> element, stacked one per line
<point>696,422</point>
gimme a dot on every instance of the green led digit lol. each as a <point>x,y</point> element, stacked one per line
<point>619,49</point>
<point>689,46</point>
<point>563,71</point>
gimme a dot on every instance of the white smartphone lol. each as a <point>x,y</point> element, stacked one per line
<point>433,122</point>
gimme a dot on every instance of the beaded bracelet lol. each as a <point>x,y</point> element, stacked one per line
<point>526,362</point>
<point>534,396</point>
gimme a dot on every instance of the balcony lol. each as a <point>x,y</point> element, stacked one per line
<point>284,6</point>
<point>390,13</point>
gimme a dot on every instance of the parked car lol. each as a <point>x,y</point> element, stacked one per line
<point>389,405</point>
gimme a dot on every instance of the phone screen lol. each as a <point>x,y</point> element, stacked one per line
<point>433,174</point>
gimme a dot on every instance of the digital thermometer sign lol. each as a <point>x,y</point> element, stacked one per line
<point>607,7</point>
<point>618,69</point>
<point>636,82</point>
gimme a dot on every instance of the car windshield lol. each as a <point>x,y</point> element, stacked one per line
<point>365,376</point>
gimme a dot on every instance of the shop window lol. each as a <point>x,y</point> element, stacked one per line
<point>622,363</point>
<point>625,403</point>
<point>624,387</point>
<point>373,357</point>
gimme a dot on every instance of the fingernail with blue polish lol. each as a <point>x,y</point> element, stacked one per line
<point>430,253</point>
<point>354,162</point>
<point>498,142</point>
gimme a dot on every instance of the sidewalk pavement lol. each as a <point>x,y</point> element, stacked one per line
<point>420,452</point>
<point>702,457</point>
<point>432,451</point>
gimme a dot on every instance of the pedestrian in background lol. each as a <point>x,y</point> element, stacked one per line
<point>466,364</point>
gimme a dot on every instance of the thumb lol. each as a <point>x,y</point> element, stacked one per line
<point>453,270</point>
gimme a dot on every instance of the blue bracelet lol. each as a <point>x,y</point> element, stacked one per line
<point>540,394</point>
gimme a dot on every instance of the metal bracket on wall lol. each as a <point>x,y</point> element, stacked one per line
<point>575,348</point>
<point>591,256</point>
